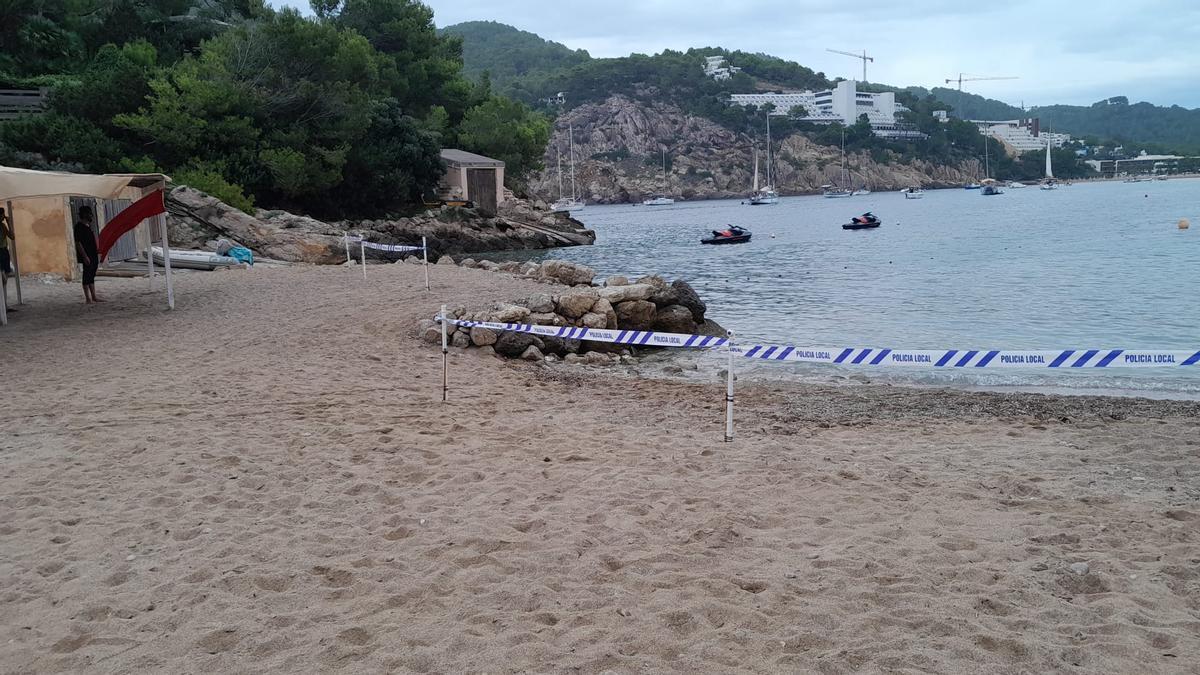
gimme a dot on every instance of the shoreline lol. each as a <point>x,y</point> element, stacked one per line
<point>266,477</point>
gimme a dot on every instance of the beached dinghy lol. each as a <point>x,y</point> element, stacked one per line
<point>194,260</point>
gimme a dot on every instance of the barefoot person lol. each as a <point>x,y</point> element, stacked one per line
<point>87,249</point>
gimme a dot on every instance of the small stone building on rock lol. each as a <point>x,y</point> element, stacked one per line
<point>473,178</point>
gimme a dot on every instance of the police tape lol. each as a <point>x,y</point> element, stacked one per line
<point>621,337</point>
<point>868,356</point>
<point>394,248</point>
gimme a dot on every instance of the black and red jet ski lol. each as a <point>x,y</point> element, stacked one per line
<point>864,222</point>
<point>730,235</point>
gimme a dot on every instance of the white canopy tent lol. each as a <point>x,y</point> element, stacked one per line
<point>17,184</point>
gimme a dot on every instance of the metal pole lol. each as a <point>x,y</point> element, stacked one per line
<point>425,255</point>
<point>16,266</point>
<point>729,394</point>
<point>445,353</point>
<point>166,246</point>
<point>362,253</point>
<point>346,241</point>
<point>150,254</point>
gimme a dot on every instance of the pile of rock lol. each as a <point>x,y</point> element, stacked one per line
<point>646,304</point>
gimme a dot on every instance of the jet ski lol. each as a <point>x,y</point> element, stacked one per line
<point>730,235</point>
<point>864,222</point>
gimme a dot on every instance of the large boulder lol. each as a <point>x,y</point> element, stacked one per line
<point>576,303</point>
<point>615,294</point>
<point>560,346</point>
<point>674,319</point>
<point>661,294</point>
<point>593,320</point>
<point>194,218</point>
<point>686,296</point>
<point>605,307</point>
<point>481,336</point>
<point>532,353</point>
<point>635,315</point>
<point>460,340</point>
<point>566,273</point>
<point>548,319</point>
<point>540,303</point>
<point>509,314</point>
<point>513,345</point>
<point>616,280</point>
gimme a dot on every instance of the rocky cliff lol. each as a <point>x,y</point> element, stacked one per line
<point>618,146</point>
<point>196,220</point>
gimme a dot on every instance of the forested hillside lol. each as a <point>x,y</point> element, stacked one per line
<point>675,77</point>
<point>507,54</point>
<point>342,113</point>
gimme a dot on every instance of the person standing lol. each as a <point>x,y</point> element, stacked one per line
<point>6,233</point>
<point>88,251</point>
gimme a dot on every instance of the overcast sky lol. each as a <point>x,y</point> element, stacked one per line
<point>1063,51</point>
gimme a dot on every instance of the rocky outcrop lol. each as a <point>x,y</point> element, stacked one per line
<point>618,146</point>
<point>649,303</point>
<point>195,220</point>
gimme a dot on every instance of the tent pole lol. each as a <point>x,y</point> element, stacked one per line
<point>150,254</point>
<point>15,265</point>
<point>166,246</point>
<point>425,256</point>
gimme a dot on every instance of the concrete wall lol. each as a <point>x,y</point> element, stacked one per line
<point>43,235</point>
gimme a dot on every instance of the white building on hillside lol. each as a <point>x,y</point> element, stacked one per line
<point>1021,135</point>
<point>844,103</point>
<point>718,69</point>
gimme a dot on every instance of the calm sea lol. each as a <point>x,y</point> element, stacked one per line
<point>1099,265</point>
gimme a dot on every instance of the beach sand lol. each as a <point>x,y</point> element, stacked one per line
<point>265,479</point>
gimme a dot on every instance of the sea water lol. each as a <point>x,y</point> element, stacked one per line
<point>1092,265</point>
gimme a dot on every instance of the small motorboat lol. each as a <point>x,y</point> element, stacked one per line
<point>866,221</point>
<point>730,235</point>
<point>913,192</point>
<point>194,260</point>
<point>972,186</point>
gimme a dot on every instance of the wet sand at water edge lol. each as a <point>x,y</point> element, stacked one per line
<point>266,479</point>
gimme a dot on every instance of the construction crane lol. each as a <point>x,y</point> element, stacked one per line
<point>962,79</point>
<point>862,57</point>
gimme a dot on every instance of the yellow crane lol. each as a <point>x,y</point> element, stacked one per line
<point>862,57</point>
<point>960,79</point>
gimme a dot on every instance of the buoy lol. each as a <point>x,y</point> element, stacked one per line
<point>1184,224</point>
<point>772,235</point>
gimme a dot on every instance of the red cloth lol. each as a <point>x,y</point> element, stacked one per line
<point>146,207</point>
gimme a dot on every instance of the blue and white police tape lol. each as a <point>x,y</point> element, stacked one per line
<point>394,248</point>
<point>976,358</point>
<point>870,356</point>
<point>640,338</point>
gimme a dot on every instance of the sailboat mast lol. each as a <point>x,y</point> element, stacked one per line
<point>755,150</point>
<point>558,152</point>
<point>843,176</point>
<point>770,185</point>
<point>571,154</point>
<point>1049,170</point>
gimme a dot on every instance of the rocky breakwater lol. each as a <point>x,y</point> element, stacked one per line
<point>649,303</point>
<point>197,220</point>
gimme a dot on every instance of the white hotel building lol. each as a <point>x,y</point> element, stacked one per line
<point>1020,136</point>
<point>844,103</point>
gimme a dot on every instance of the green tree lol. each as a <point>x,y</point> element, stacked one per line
<point>509,131</point>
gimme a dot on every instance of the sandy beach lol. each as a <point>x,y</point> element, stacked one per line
<point>265,479</point>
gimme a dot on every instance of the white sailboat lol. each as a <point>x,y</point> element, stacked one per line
<point>767,194</point>
<point>661,199</point>
<point>1049,183</point>
<point>989,187</point>
<point>573,203</point>
<point>831,192</point>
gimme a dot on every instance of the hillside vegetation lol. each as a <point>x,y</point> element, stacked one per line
<point>675,77</point>
<point>341,113</point>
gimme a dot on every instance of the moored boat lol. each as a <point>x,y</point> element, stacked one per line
<point>913,192</point>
